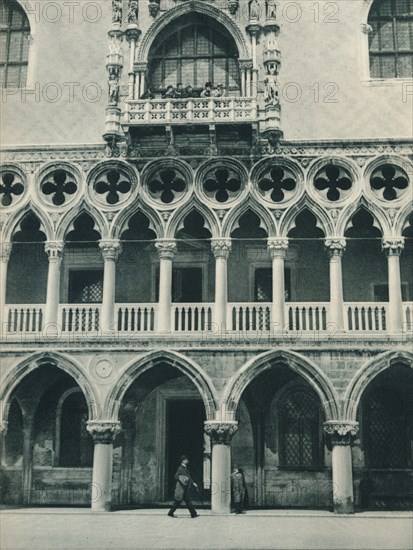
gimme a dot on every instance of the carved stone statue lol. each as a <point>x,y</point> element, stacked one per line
<point>271,9</point>
<point>117,11</point>
<point>271,86</point>
<point>133,11</point>
<point>254,10</point>
<point>114,74</point>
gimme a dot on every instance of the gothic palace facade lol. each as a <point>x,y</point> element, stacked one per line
<point>221,268</point>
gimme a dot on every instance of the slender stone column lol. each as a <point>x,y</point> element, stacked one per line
<point>110,252</point>
<point>221,249</point>
<point>393,248</point>
<point>335,249</point>
<point>5,250</point>
<point>341,434</point>
<point>166,250</point>
<point>221,433</point>
<point>103,433</point>
<point>54,251</point>
<point>278,250</point>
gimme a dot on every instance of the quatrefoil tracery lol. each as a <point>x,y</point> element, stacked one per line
<point>333,179</point>
<point>390,178</point>
<point>167,185</point>
<point>58,184</point>
<point>9,187</point>
<point>279,182</point>
<point>113,183</point>
<point>222,184</point>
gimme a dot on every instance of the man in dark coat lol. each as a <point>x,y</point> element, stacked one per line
<point>184,482</point>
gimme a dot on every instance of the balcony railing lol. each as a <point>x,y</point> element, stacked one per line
<point>304,318</point>
<point>194,110</point>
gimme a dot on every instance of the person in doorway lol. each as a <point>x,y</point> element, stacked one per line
<point>238,490</point>
<point>184,482</point>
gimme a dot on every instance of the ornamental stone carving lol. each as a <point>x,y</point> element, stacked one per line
<point>11,187</point>
<point>278,247</point>
<point>341,432</point>
<point>166,248</point>
<point>110,249</point>
<point>335,247</point>
<point>103,432</point>
<point>221,248</point>
<point>220,433</point>
<point>54,250</point>
<point>392,246</point>
<point>117,12</point>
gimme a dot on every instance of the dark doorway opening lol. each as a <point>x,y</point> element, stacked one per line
<point>184,435</point>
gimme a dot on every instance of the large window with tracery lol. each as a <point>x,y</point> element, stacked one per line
<point>194,53</point>
<point>300,429</point>
<point>14,44</point>
<point>385,428</point>
<point>391,39</point>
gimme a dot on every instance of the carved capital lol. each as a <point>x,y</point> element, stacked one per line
<point>245,64</point>
<point>221,247</point>
<point>392,246</point>
<point>110,248</point>
<point>103,432</point>
<point>220,432</point>
<point>341,432</point>
<point>278,247</point>
<point>335,247</point>
<point>140,67</point>
<point>54,250</point>
<point>166,248</point>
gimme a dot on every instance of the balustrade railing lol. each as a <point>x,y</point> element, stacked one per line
<point>307,316</point>
<point>192,110</point>
<point>192,317</point>
<point>135,318</point>
<point>249,316</point>
<point>365,317</point>
<point>79,318</point>
<point>24,318</point>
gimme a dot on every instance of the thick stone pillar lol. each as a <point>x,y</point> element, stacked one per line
<point>110,252</point>
<point>393,248</point>
<point>221,249</point>
<point>166,250</point>
<point>5,250</point>
<point>54,251</point>
<point>341,434</point>
<point>103,433</point>
<point>221,433</point>
<point>335,249</point>
<point>278,250</point>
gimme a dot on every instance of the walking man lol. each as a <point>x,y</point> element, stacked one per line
<point>184,482</point>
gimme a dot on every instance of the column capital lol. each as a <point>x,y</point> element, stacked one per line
<point>392,246</point>
<point>110,248</point>
<point>335,246</point>
<point>245,64</point>
<point>341,432</point>
<point>140,67</point>
<point>166,248</point>
<point>277,247</point>
<point>5,251</point>
<point>54,250</point>
<point>220,432</point>
<point>104,431</point>
<point>221,247</point>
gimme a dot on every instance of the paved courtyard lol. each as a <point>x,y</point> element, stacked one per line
<point>143,529</point>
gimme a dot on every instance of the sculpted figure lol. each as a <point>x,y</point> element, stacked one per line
<point>133,11</point>
<point>113,86</point>
<point>116,11</point>
<point>271,86</point>
<point>271,9</point>
<point>254,9</point>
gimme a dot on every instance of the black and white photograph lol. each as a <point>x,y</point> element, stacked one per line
<point>206,291</point>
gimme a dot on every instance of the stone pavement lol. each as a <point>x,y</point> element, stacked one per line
<point>65,528</point>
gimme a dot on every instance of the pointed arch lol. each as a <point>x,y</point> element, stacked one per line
<point>365,375</point>
<point>69,218</point>
<point>266,219</point>
<point>323,221</point>
<point>122,219</point>
<point>380,219</point>
<point>193,6</point>
<point>308,370</point>
<point>138,366</point>
<point>14,221</point>
<point>179,216</point>
<point>402,219</point>
<point>60,361</point>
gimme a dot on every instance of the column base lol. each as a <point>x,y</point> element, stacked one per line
<point>102,507</point>
<point>345,506</point>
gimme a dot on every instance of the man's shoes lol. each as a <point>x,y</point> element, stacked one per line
<point>171,515</point>
<point>195,516</point>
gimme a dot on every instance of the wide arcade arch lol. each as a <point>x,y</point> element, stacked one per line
<point>305,368</point>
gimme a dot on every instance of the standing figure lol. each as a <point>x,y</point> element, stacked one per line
<point>271,86</point>
<point>133,11</point>
<point>238,490</point>
<point>113,86</point>
<point>254,10</point>
<point>184,482</point>
<point>271,9</point>
<point>116,11</point>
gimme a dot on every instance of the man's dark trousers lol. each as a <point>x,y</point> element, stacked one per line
<point>189,504</point>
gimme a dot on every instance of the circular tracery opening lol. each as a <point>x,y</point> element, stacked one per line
<point>193,53</point>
